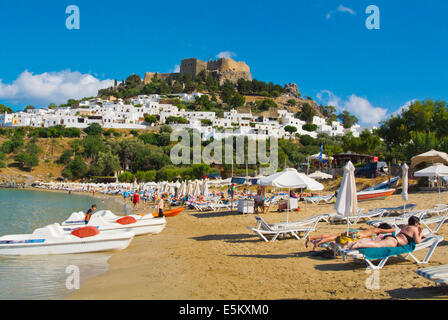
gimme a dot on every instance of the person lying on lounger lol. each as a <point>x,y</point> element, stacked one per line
<point>410,232</point>
<point>353,236</point>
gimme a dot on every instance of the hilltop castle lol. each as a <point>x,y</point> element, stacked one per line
<point>224,69</point>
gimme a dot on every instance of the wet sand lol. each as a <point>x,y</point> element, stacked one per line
<point>212,255</point>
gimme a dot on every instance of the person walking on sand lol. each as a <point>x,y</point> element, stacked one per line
<point>136,199</point>
<point>89,213</point>
<point>160,205</point>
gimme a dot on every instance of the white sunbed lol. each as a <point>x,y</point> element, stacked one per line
<point>431,243</point>
<point>439,274</point>
<point>319,199</point>
<point>264,230</point>
<point>439,218</point>
<point>399,220</point>
<point>335,217</point>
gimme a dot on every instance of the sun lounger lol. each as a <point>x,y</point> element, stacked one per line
<point>439,218</point>
<point>319,199</point>
<point>400,220</point>
<point>400,209</point>
<point>370,214</point>
<point>383,254</point>
<point>273,231</point>
<point>335,217</point>
<point>439,274</point>
<point>306,221</point>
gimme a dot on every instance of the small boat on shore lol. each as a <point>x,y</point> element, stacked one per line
<point>107,221</point>
<point>52,239</point>
<point>168,213</point>
<point>384,185</point>
<point>374,194</point>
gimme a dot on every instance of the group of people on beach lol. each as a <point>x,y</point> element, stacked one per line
<point>135,198</point>
<point>376,237</point>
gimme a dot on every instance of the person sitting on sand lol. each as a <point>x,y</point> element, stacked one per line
<point>89,213</point>
<point>353,235</point>
<point>409,233</point>
<point>259,200</point>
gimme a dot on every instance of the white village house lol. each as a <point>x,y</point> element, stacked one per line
<point>130,114</point>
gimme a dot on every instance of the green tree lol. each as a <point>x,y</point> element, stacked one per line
<point>306,113</point>
<point>150,119</point>
<point>290,129</point>
<point>108,163</point>
<point>347,119</point>
<point>6,109</point>
<point>237,100</point>
<point>26,161</point>
<point>93,129</point>
<point>126,177</point>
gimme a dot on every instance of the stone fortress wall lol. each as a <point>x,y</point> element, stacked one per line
<point>224,69</point>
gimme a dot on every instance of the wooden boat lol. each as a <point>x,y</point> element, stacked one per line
<point>374,194</point>
<point>169,213</point>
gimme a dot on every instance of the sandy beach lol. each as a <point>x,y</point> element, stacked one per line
<point>213,255</point>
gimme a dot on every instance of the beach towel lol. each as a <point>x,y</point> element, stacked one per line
<point>381,253</point>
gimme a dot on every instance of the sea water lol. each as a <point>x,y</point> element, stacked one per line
<point>47,276</point>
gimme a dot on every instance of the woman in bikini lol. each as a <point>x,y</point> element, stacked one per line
<point>410,233</point>
<point>353,234</point>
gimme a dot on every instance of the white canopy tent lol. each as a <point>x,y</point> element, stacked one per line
<point>432,156</point>
<point>436,171</point>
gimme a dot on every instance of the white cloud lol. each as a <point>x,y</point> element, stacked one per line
<point>51,87</point>
<point>226,54</point>
<point>403,107</point>
<point>342,9</point>
<point>176,69</point>
<point>360,107</point>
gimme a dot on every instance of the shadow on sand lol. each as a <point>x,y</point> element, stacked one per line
<point>215,214</point>
<point>430,292</point>
<point>351,264</point>
<point>226,237</point>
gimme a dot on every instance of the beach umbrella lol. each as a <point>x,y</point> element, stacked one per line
<point>197,188</point>
<point>320,175</point>
<point>290,179</point>
<point>183,189</point>
<point>404,188</point>
<point>347,202</point>
<point>432,156</point>
<point>205,188</point>
<point>190,188</point>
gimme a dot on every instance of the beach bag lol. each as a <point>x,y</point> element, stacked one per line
<point>126,220</point>
<point>85,232</point>
<point>344,239</point>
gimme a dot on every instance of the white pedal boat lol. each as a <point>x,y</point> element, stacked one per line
<point>106,221</point>
<point>52,239</point>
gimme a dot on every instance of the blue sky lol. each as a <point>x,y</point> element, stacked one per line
<point>322,45</point>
